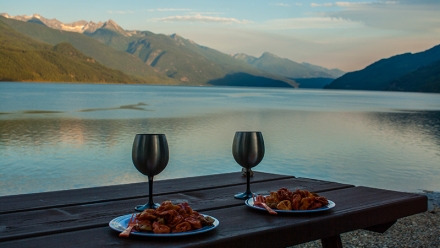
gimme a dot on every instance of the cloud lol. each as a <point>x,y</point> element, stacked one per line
<point>206,13</point>
<point>203,18</point>
<point>350,4</point>
<point>404,16</point>
<point>311,23</point>
<point>285,4</point>
<point>321,4</point>
<point>354,4</point>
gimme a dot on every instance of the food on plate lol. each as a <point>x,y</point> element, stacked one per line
<point>284,199</point>
<point>284,205</point>
<point>171,218</point>
<point>259,201</point>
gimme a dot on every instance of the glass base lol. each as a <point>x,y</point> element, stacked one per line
<point>141,208</point>
<point>244,195</point>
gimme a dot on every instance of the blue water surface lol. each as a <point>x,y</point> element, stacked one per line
<point>64,136</point>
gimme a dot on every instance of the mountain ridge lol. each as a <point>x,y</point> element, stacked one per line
<point>137,43</point>
<point>77,26</point>
<point>382,73</point>
<point>172,59</point>
<point>424,79</point>
<point>285,67</point>
<point>179,58</point>
<point>25,59</point>
<point>92,48</point>
<point>160,55</point>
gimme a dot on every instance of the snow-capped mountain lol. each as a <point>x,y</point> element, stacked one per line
<point>78,26</point>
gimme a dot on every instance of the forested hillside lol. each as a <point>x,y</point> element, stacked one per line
<point>425,79</point>
<point>386,74</point>
<point>25,59</point>
<point>158,58</point>
<point>101,53</point>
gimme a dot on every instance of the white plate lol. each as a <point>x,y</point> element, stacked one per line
<point>250,202</point>
<point>120,224</point>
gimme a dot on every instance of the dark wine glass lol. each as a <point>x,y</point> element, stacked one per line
<point>248,151</point>
<point>150,157</point>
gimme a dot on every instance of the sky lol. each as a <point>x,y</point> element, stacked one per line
<point>348,35</point>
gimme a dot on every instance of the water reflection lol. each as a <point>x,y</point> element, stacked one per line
<point>417,125</point>
<point>394,150</point>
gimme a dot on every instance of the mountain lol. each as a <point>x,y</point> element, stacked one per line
<point>287,68</point>
<point>335,73</point>
<point>383,73</point>
<point>179,58</point>
<point>424,79</point>
<point>170,57</point>
<point>25,59</point>
<point>79,26</point>
<point>90,47</point>
<point>246,58</point>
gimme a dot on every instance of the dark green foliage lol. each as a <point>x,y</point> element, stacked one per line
<point>379,75</point>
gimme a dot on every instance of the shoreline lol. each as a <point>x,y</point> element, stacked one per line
<point>433,199</point>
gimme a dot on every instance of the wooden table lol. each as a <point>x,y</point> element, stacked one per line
<point>80,217</point>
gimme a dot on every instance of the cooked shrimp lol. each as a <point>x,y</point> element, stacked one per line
<point>182,227</point>
<point>166,205</point>
<point>174,221</point>
<point>160,228</point>
<point>147,214</point>
<point>284,205</point>
<point>195,223</point>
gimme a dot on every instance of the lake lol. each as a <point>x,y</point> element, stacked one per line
<point>65,136</point>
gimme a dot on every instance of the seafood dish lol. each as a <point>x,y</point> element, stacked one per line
<point>167,218</point>
<point>284,199</point>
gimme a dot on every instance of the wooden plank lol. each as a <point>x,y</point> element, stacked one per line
<point>242,226</point>
<point>63,219</point>
<point>27,202</point>
<point>365,207</point>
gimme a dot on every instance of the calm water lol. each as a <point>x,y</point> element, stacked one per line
<point>64,136</point>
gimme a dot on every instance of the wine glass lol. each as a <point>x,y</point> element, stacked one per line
<point>150,157</point>
<point>248,151</point>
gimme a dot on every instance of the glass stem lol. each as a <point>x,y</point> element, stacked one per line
<point>248,181</point>
<point>150,191</point>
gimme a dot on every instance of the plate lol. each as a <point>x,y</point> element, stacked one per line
<point>120,223</point>
<point>250,202</point>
